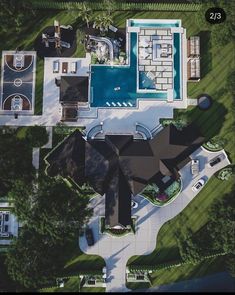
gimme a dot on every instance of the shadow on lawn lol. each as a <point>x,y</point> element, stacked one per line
<point>205,52</point>
<point>210,121</point>
<point>162,255</point>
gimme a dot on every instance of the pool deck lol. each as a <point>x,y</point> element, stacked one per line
<point>121,120</point>
<point>116,120</point>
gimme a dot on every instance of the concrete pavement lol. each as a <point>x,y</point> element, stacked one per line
<point>117,250</point>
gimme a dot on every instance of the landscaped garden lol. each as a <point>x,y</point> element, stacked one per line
<point>118,232</point>
<point>161,198</point>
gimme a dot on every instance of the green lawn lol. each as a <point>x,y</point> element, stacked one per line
<point>188,271</point>
<point>93,289</point>
<point>137,285</point>
<point>194,216</point>
<point>71,285</point>
<point>216,62</point>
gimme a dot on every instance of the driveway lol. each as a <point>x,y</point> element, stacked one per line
<point>117,250</point>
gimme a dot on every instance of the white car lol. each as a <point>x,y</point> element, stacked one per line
<point>134,204</point>
<point>195,167</point>
<point>198,185</point>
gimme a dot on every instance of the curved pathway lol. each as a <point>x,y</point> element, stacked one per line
<point>117,250</point>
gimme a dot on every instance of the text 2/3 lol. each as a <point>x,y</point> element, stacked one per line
<point>215,15</point>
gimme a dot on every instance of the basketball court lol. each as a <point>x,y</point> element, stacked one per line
<point>18,82</point>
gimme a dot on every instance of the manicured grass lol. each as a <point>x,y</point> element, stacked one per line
<point>188,271</point>
<point>72,285</point>
<point>76,261</point>
<point>137,285</point>
<point>21,132</point>
<point>194,216</point>
<point>93,289</point>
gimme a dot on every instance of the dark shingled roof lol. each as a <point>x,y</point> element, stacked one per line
<point>119,166</point>
<point>73,89</point>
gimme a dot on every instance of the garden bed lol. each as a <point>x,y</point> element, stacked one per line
<point>117,232</point>
<point>158,198</point>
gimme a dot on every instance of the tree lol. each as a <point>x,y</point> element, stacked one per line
<point>51,208</point>
<point>36,136</point>
<point>103,21</point>
<point>221,225</point>
<point>189,249</point>
<point>85,13</point>
<point>15,161</point>
<point>32,260</point>
<point>230,263</point>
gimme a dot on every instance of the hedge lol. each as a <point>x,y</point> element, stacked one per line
<point>45,4</point>
<point>134,268</point>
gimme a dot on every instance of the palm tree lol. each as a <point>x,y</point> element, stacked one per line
<point>109,5</point>
<point>103,21</point>
<point>85,13</point>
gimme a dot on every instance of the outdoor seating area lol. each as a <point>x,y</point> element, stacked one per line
<point>155,58</point>
<point>143,131</point>
<point>4,224</point>
<point>95,131</point>
<point>194,72</point>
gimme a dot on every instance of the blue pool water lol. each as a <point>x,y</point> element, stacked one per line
<point>153,24</point>
<point>104,80</point>
<point>145,82</point>
<point>176,73</point>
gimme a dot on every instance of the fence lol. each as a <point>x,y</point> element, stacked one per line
<point>45,4</point>
<point>134,268</point>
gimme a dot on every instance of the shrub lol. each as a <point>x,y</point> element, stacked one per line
<point>37,136</point>
<point>173,189</point>
<point>225,173</point>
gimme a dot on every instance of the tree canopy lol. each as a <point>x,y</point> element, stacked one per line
<point>15,161</point>
<point>52,214</point>
<point>50,207</point>
<point>36,136</point>
<point>32,259</point>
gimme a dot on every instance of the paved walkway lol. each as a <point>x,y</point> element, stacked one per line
<point>116,251</point>
<point>48,145</point>
<point>219,282</point>
<point>36,158</point>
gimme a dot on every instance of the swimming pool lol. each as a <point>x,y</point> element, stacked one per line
<point>104,80</point>
<point>138,23</point>
<point>176,74</point>
<point>116,86</point>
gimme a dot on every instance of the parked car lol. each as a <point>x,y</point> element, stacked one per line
<point>89,237</point>
<point>195,167</point>
<point>216,160</point>
<point>198,185</point>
